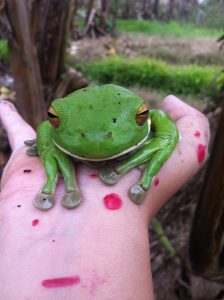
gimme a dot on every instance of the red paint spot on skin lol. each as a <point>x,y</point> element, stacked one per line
<point>156,181</point>
<point>112,201</point>
<point>35,222</point>
<point>197,133</point>
<point>93,175</point>
<point>201,151</point>
<point>61,282</point>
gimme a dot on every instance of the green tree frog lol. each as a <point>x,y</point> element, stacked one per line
<point>108,127</point>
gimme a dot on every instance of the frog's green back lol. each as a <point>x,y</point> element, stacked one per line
<point>99,122</point>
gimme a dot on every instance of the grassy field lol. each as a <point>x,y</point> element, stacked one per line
<point>172,29</point>
<point>172,57</point>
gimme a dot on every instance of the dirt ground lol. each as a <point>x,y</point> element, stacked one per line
<point>200,50</point>
<point>172,281</point>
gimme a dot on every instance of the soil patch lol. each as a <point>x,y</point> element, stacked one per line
<point>200,50</point>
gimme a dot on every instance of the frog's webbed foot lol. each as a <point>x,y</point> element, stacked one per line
<point>71,199</point>
<point>108,175</point>
<point>137,194</point>
<point>44,201</point>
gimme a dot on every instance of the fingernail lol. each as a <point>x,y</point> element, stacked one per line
<point>8,104</point>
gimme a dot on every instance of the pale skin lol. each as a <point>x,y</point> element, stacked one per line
<point>107,250</point>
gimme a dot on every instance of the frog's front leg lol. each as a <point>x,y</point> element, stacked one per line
<point>154,153</point>
<point>55,161</point>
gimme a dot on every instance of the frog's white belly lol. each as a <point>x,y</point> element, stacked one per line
<point>110,157</point>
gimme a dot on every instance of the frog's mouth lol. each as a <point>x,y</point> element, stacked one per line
<point>110,157</point>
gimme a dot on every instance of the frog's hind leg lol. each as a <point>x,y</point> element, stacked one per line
<point>45,199</point>
<point>72,197</point>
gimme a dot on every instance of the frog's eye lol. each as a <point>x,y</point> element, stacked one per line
<point>142,114</point>
<point>53,117</point>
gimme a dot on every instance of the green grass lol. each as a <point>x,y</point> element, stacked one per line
<point>186,80</point>
<point>172,29</point>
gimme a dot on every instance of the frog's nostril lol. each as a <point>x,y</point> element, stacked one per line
<point>109,135</point>
<point>82,135</point>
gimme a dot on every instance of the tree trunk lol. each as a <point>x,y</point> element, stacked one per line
<point>170,10</point>
<point>50,37</point>
<point>155,9</point>
<point>24,64</point>
<point>147,9</point>
<point>103,15</point>
<point>207,233</point>
<point>37,34</point>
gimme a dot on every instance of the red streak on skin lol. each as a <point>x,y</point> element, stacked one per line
<point>93,175</point>
<point>201,151</point>
<point>197,133</point>
<point>112,201</point>
<point>156,181</point>
<point>61,282</point>
<point>35,222</point>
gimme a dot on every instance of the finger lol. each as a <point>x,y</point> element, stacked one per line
<point>17,129</point>
<point>176,108</point>
<point>179,110</point>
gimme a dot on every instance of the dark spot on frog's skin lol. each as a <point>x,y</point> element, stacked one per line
<point>114,120</point>
<point>82,134</point>
<point>119,102</point>
<point>109,135</point>
<point>118,94</point>
<point>90,107</point>
<point>26,171</point>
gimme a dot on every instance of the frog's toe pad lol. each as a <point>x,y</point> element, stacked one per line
<point>71,199</point>
<point>32,151</point>
<point>137,194</point>
<point>30,143</point>
<point>108,175</point>
<point>43,201</point>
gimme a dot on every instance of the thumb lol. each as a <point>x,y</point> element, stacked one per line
<point>17,129</point>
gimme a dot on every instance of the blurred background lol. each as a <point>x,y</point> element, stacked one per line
<point>49,48</point>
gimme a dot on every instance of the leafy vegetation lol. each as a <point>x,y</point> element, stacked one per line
<point>189,79</point>
<point>4,51</point>
<point>173,29</point>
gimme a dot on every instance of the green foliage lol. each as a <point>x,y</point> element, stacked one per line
<point>173,29</point>
<point>188,80</point>
<point>4,51</point>
<point>213,14</point>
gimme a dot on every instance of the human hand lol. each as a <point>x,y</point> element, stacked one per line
<point>97,236</point>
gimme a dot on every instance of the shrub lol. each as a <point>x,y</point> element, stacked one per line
<point>4,51</point>
<point>174,29</point>
<point>189,79</point>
